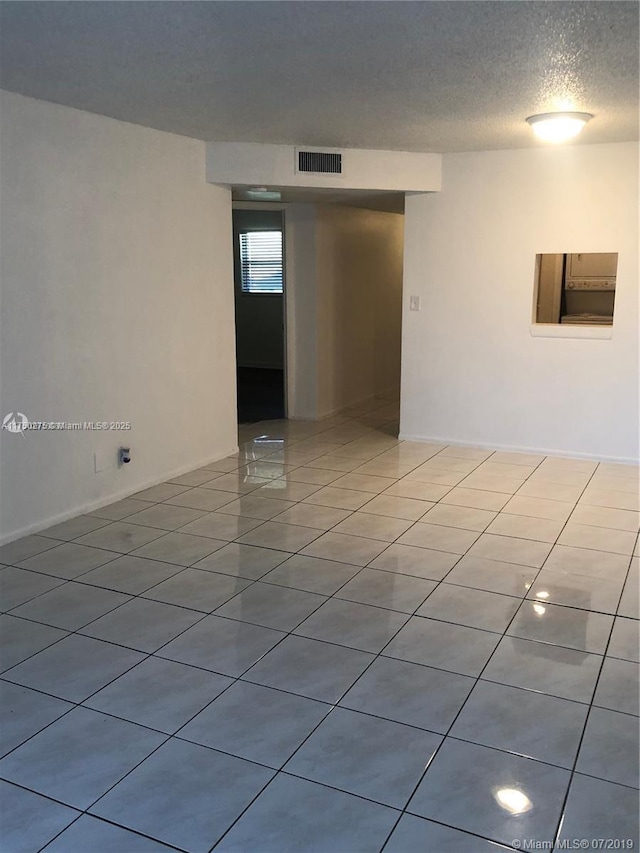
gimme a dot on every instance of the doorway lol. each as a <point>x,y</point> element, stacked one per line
<point>259,285</point>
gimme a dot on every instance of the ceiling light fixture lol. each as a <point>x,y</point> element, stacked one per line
<point>558,127</point>
<point>263,194</point>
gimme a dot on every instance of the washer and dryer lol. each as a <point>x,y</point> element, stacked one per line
<point>589,288</point>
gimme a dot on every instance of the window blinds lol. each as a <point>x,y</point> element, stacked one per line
<point>261,261</point>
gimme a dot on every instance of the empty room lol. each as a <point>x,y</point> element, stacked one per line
<point>319,445</point>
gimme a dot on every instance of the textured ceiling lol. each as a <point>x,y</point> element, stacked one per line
<point>416,76</point>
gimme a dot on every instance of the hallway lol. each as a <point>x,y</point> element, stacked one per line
<point>260,394</point>
<point>333,641</point>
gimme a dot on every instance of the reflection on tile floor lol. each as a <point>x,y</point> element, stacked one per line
<point>333,641</point>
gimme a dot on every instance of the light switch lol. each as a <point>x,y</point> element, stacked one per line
<point>414,303</point>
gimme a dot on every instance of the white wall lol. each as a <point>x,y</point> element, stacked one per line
<point>117,304</point>
<point>301,311</point>
<point>344,306</point>
<point>472,371</point>
<point>359,304</point>
<point>251,163</point>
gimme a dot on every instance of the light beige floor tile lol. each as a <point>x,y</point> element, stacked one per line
<point>450,463</point>
<point>625,640</point>
<point>78,526</point>
<point>475,498</point>
<point>581,591</point>
<point>240,484</point>
<point>120,509</point>
<point>388,505</point>
<point>280,537</point>
<point>419,562</point>
<point>165,516</point>
<point>607,498</point>
<point>334,463</point>
<point>582,561</point>
<point>260,449</point>
<point>254,507</point>
<point>205,499</point>
<point>435,475</point>
<point>266,470</point>
<point>477,453</point>
<point>338,498</point>
<point>419,491</point>
<point>313,476</point>
<point>630,600</point>
<point>192,478</point>
<point>490,483</point>
<point>600,516</point>
<point>513,458</point>
<point>439,538</point>
<point>311,574</point>
<point>492,576</point>
<point>224,466</point>
<point>293,456</point>
<point>539,508</point>
<point>320,517</point>
<point>459,516</point>
<point>613,469</point>
<point>385,468</point>
<point>566,463</point>
<point>217,525</point>
<point>526,527</point>
<point>570,627</point>
<point>373,526</point>
<point>345,549</point>
<point>597,538</point>
<point>536,488</point>
<point>364,483</point>
<point>424,449</point>
<point>355,450</point>
<point>161,492</point>
<point>510,550</point>
<point>472,607</point>
<point>407,455</point>
<point>284,489</point>
<point>561,476</point>
<point>502,469</point>
<point>322,448</point>
<point>630,485</point>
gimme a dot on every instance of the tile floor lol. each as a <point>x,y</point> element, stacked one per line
<point>335,642</point>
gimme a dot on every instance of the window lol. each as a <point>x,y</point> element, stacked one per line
<point>261,261</point>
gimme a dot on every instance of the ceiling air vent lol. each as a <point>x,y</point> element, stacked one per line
<point>320,162</point>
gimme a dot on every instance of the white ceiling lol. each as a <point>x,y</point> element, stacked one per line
<point>415,76</point>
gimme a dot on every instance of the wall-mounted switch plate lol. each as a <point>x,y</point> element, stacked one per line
<point>99,462</point>
<point>414,303</point>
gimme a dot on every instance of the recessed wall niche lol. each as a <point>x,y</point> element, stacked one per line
<point>575,289</point>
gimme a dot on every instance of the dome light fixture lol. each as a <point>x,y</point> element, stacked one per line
<point>558,127</point>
